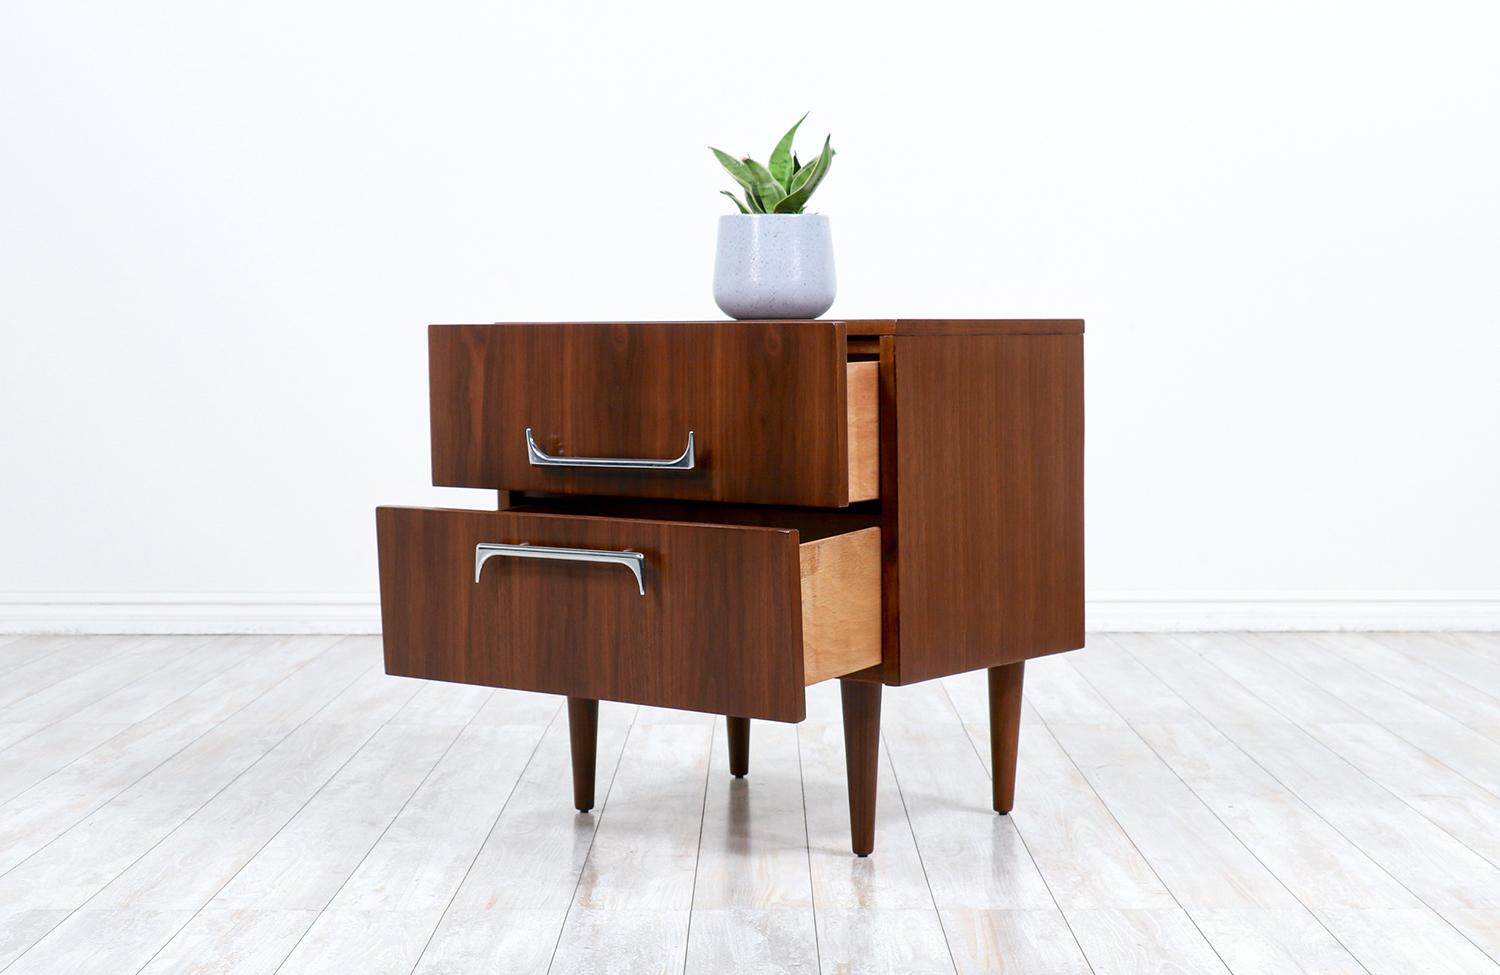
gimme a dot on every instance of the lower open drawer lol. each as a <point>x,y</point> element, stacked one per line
<point>706,617</point>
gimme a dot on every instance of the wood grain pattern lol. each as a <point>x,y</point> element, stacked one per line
<point>988,457</point>
<point>863,381</point>
<point>1005,731</point>
<point>963,326</point>
<point>715,583</point>
<point>1115,860</point>
<point>581,629</point>
<point>737,730</point>
<point>861,703</point>
<point>583,738</point>
<point>840,604</point>
<point>765,402</point>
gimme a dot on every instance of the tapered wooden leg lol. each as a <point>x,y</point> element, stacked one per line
<point>1005,731</point>
<point>862,758</point>
<point>583,733</point>
<point>739,746</point>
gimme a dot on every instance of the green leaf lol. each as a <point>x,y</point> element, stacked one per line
<point>736,200</point>
<point>736,169</point>
<point>806,181</point>
<point>781,157</point>
<point>811,170</point>
<point>766,186</point>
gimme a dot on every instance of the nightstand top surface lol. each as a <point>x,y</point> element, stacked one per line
<point>896,326</point>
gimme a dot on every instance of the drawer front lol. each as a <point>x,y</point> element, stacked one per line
<point>718,629</point>
<point>763,402</point>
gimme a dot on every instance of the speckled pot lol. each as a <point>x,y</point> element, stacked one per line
<point>774,265</point>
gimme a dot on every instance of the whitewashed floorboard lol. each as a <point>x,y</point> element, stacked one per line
<point>510,908</point>
<point>69,870</point>
<point>1196,856</point>
<point>1414,663</point>
<point>140,699</point>
<point>23,650</point>
<point>1468,658</point>
<point>1442,873</point>
<point>49,748</point>
<point>61,659</point>
<point>1249,803</point>
<point>752,900</point>
<point>231,943</point>
<point>1311,860</point>
<point>386,913</point>
<point>874,914</point>
<point>12,732</point>
<point>517,941</point>
<point>974,859</point>
<point>101,943</point>
<point>304,865</point>
<point>635,893</point>
<point>1455,803</point>
<point>141,657</point>
<point>48,809</point>
<point>1086,858</point>
<point>1143,941</point>
<point>89,696</point>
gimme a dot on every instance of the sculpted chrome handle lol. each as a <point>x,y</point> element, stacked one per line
<point>634,561</point>
<point>540,458</point>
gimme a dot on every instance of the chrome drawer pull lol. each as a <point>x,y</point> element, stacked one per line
<point>540,458</point>
<point>634,561</point>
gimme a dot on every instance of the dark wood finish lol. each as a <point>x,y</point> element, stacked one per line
<point>980,515</point>
<point>861,704</point>
<point>766,402</point>
<point>810,523</point>
<point>583,737</point>
<point>890,512</point>
<point>964,326</point>
<point>739,746</point>
<point>987,462</point>
<point>1005,731</point>
<point>582,629</point>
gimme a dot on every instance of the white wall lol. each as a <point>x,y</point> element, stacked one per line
<point>223,229</point>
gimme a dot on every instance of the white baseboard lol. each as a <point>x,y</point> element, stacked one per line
<point>1271,611</point>
<point>188,613</point>
<point>1107,612</point>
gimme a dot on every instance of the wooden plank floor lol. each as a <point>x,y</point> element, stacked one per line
<point>1194,803</point>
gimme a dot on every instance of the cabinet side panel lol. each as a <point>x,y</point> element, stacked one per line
<point>989,435</point>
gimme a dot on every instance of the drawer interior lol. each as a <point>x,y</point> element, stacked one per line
<point>863,399</point>
<point>840,604</point>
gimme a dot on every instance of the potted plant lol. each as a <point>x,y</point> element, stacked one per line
<point>774,260</point>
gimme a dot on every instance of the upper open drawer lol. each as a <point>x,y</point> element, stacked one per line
<point>756,412</point>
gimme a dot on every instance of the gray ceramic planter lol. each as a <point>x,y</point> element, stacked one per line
<point>774,265</point>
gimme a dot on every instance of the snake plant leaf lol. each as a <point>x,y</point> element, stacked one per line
<point>736,200</point>
<point>766,186</point>
<point>806,181</point>
<point>810,171</point>
<point>781,157</point>
<point>736,169</point>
